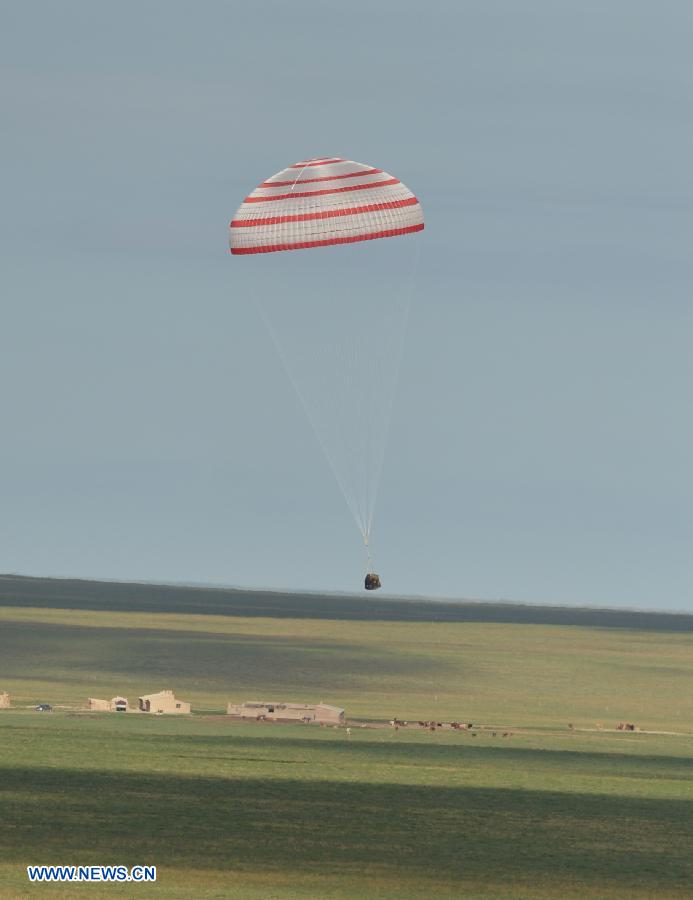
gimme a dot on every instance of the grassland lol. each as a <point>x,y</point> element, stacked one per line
<point>237,810</point>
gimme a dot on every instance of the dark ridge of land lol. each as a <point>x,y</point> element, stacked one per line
<point>71,593</point>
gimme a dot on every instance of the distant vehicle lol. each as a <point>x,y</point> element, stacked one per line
<point>44,707</point>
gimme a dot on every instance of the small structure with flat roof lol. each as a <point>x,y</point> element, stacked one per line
<point>163,702</point>
<point>281,711</point>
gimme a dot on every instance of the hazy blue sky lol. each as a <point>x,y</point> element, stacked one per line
<point>543,433</point>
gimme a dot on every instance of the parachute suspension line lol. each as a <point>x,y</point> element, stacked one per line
<point>351,505</point>
<point>349,479</point>
<point>390,400</point>
<point>369,437</point>
<point>369,557</point>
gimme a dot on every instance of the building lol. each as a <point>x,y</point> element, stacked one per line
<point>99,705</point>
<point>4,701</point>
<point>163,702</point>
<point>287,712</point>
<point>115,704</point>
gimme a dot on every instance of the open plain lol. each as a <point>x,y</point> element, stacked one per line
<point>520,806</point>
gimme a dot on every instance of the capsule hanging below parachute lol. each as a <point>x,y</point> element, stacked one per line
<point>345,377</point>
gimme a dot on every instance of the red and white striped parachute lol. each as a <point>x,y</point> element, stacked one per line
<point>337,319</point>
<point>320,202</point>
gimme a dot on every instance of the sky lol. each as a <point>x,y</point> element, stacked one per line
<point>542,433</point>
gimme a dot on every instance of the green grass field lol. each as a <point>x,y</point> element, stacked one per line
<point>237,810</point>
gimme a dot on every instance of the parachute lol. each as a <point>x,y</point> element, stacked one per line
<point>337,318</point>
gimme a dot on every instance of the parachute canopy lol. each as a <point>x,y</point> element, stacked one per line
<point>337,318</point>
<point>320,202</point>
